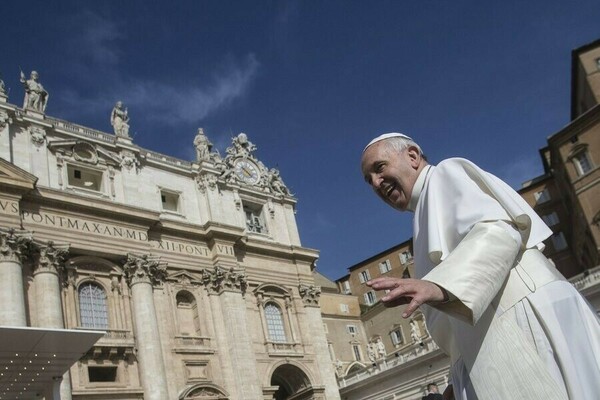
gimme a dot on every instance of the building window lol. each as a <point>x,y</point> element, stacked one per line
<point>351,329</point>
<point>550,219</point>
<point>598,63</point>
<point>405,257</point>
<point>583,163</point>
<point>92,306</point>
<point>344,308</point>
<point>406,273</point>
<point>385,267</point>
<point>364,276</point>
<point>370,298</point>
<point>169,200</point>
<point>102,374</point>
<point>254,219</point>
<point>542,196</point>
<point>187,314</point>
<point>356,351</point>
<point>558,241</point>
<point>346,286</point>
<point>84,178</point>
<point>397,336</point>
<point>275,323</point>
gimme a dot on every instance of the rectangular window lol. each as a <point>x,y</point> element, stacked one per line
<point>84,178</point>
<point>356,350</point>
<point>370,298</point>
<point>542,196</point>
<point>351,329</point>
<point>550,219</point>
<point>254,218</point>
<point>346,286</point>
<point>364,276</point>
<point>583,163</point>
<point>102,374</point>
<point>385,267</point>
<point>344,308</point>
<point>397,337</point>
<point>169,200</point>
<point>558,241</point>
<point>405,257</point>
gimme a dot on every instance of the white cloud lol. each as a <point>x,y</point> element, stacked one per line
<point>97,46</point>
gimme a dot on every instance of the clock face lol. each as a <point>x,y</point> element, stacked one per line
<point>247,171</point>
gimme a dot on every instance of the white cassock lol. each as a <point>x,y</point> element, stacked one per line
<point>514,328</point>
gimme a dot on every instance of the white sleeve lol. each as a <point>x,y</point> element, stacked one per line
<point>476,269</point>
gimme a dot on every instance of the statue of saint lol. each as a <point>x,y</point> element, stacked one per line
<point>2,88</point>
<point>371,352</point>
<point>203,146</point>
<point>275,183</point>
<point>119,119</point>
<point>414,332</point>
<point>381,348</point>
<point>36,97</point>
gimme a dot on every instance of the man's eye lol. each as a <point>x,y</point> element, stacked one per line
<point>379,168</point>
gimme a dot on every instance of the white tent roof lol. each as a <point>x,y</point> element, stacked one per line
<point>31,358</point>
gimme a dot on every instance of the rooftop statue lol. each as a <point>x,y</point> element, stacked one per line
<point>36,97</point>
<point>119,119</point>
<point>203,146</point>
<point>2,87</point>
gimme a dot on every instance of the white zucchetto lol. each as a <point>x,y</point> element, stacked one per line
<point>387,136</point>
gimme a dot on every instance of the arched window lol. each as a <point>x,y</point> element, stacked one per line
<point>187,314</point>
<point>92,306</point>
<point>275,323</point>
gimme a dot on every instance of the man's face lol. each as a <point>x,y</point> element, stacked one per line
<point>390,173</point>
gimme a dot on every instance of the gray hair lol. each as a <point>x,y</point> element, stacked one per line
<point>401,143</point>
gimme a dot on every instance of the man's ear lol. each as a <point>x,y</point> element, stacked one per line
<point>414,155</point>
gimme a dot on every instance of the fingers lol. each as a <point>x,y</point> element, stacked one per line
<point>411,308</point>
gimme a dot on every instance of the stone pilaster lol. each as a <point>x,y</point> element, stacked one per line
<point>226,288</point>
<point>49,263</point>
<point>142,272</point>
<point>15,246</point>
<point>310,295</point>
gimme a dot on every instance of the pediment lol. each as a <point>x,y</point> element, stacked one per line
<point>83,151</point>
<point>184,278</point>
<point>15,177</point>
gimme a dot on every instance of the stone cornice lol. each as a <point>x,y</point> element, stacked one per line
<point>273,249</point>
<point>96,206</point>
<point>15,178</point>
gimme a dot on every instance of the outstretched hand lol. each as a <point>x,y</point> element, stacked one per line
<point>413,292</point>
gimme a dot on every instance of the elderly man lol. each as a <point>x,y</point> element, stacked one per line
<point>511,324</point>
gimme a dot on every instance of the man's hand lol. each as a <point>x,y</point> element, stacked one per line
<point>413,292</point>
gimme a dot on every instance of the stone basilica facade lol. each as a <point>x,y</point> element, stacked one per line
<point>194,270</point>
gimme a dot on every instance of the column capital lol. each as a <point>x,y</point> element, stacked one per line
<point>144,269</point>
<point>15,245</point>
<point>310,294</point>
<point>220,279</point>
<point>50,257</point>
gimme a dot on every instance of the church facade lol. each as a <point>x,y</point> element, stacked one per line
<point>195,270</point>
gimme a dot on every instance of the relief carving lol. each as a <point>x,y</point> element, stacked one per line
<point>144,269</point>
<point>15,246</point>
<point>220,279</point>
<point>310,294</point>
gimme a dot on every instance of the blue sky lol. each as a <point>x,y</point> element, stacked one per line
<point>311,82</point>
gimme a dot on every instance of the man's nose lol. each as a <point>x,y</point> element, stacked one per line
<point>376,182</point>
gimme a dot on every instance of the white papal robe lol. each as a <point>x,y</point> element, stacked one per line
<point>514,328</point>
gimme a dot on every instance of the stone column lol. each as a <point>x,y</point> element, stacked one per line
<point>49,263</point>
<point>142,272</point>
<point>229,286</point>
<point>14,247</point>
<point>310,297</point>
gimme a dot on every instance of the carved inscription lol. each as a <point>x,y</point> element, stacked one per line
<point>9,207</point>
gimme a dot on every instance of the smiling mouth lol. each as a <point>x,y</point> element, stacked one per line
<point>389,189</point>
